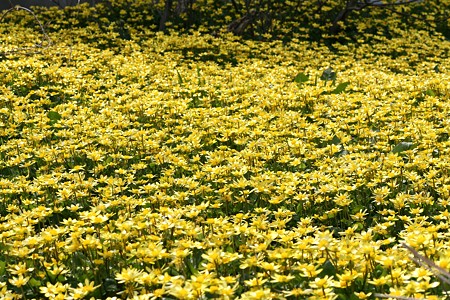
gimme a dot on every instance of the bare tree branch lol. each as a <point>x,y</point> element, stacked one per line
<point>236,7</point>
<point>355,5</point>
<point>381,4</point>
<point>165,15</point>
<point>410,16</point>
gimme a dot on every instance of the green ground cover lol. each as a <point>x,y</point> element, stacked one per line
<point>196,166</point>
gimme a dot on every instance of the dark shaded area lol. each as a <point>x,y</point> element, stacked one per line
<point>47,3</point>
<point>264,20</point>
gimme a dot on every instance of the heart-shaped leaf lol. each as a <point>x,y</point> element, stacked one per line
<point>53,116</point>
<point>403,146</point>
<point>430,93</point>
<point>301,77</point>
<point>340,88</point>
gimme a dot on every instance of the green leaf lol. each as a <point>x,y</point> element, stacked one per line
<point>357,208</point>
<point>191,267</point>
<point>301,77</point>
<point>436,69</point>
<point>328,269</point>
<point>403,146</point>
<point>110,285</point>
<point>359,226</point>
<point>335,140</point>
<point>430,93</point>
<point>347,297</point>
<point>53,116</point>
<point>4,247</point>
<point>2,268</point>
<point>180,79</point>
<point>108,160</point>
<point>340,88</point>
<point>34,282</point>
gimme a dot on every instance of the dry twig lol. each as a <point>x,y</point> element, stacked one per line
<point>421,260</point>
<point>394,297</point>
<point>27,50</point>
<point>442,274</point>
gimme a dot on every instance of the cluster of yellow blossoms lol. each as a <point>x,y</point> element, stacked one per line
<point>195,166</point>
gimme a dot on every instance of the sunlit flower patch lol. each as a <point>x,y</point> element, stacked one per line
<point>194,166</point>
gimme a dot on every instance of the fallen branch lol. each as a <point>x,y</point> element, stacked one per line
<point>442,274</point>
<point>27,50</point>
<point>382,4</point>
<point>394,297</point>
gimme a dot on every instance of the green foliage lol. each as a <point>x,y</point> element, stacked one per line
<point>340,88</point>
<point>180,79</point>
<point>2,268</point>
<point>403,146</point>
<point>53,116</point>
<point>301,78</point>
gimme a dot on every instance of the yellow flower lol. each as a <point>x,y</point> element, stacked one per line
<point>158,293</point>
<point>281,278</point>
<point>20,269</point>
<point>258,294</point>
<point>309,270</point>
<point>128,275</point>
<point>19,281</point>
<point>87,287</point>
<point>181,292</point>
<point>322,283</point>
<point>82,290</point>
<point>297,292</point>
<point>383,280</point>
<point>346,279</point>
<point>255,282</point>
<point>343,200</point>
<point>54,290</point>
<point>362,295</point>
